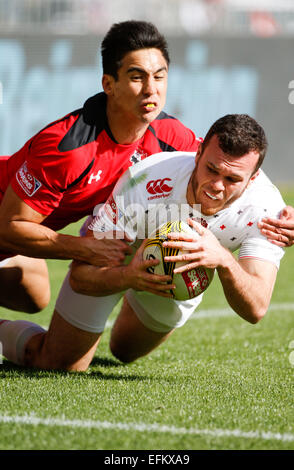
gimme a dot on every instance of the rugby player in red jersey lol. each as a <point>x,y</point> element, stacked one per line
<point>71,165</point>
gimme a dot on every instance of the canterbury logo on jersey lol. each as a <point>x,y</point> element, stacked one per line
<point>158,186</point>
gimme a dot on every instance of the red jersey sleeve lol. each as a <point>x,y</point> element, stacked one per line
<point>34,182</point>
<point>45,172</point>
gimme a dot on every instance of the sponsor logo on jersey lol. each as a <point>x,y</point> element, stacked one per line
<point>137,156</point>
<point>95,177</point>
<point>27,182</point>
<point>111,210</point>
<point>196,281</point>
<point>159,188</point>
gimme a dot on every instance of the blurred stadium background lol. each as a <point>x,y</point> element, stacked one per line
<point>227,56</point>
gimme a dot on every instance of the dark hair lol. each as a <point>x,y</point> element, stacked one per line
<point>238,134</point>
<point>126,37</point>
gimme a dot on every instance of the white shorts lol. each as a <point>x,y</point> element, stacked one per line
<point>91,313</point>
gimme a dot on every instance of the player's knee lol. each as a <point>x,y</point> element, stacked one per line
<point>256,319</point>
<point>39,356</point>
<point>37,305</point>
<point>40,295</point>
<point>34,294</point>
<point>62,364</point>
<point>70,367</point>
<point>122,354</point>
<point>43,301</point>
<point>36,302</point>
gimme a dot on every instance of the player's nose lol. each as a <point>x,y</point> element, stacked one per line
<point>217,184</point>
<point>149,86</point>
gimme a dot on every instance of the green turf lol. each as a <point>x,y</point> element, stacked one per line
<point>213,373</point>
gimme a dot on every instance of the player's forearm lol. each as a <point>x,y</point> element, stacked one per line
<point>37,241</point>
<point>245,292</point>
<point>91,280</point>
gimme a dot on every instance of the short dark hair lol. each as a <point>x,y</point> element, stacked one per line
<point>238,134</point>
<point>129,36</point>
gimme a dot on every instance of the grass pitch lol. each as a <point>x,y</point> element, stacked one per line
<point>217,383</point>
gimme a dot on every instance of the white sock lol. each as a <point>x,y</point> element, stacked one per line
<point>14,336</point>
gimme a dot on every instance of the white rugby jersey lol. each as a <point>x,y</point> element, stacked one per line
<point>154,191</point>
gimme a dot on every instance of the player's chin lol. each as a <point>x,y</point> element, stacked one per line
<point>147,118</point>
<point>211,207</point>
<point>210,210</point>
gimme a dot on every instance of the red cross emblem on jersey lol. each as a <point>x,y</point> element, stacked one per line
<point>250,224</point>
<point>222,227</point>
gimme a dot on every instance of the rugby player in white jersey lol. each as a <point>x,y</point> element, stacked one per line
<point>234,195</point>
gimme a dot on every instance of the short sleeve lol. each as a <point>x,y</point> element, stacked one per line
<point>46,172</point>
<point>255,245</point>
<point>260,248</point>
<point>30,185</point>
<point>119,214</point>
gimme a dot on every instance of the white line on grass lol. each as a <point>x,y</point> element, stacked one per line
<point>142,427</point>
<point>228,312</point>
<point>221,312</point>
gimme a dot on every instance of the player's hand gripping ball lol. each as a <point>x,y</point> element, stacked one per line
<point>188,284</point>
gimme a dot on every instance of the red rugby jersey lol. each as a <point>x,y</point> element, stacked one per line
<point>73,164</point>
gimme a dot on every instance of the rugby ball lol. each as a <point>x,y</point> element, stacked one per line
<point>188,284</point>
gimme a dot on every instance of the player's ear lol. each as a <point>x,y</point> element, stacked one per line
<point>254,175</point>
<point>199,151</point>
<point>107,84</point>
<point>252,178</point>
